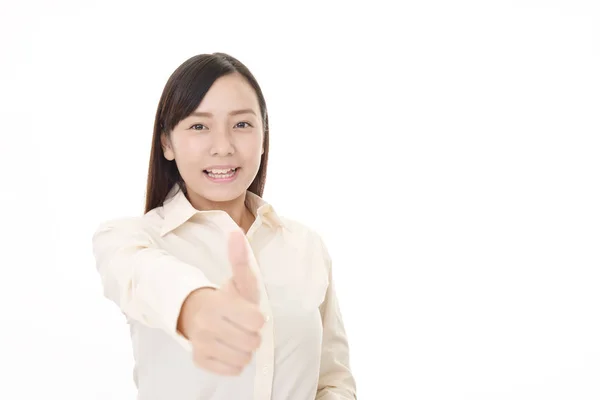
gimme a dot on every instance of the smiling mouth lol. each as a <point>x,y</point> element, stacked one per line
<point>221,173</point>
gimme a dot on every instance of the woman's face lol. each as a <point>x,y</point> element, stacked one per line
<point>218,147</point>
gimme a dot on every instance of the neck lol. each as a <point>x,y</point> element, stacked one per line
<point>236,208</point>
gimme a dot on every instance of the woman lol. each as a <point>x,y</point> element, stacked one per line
<point>225,298</point>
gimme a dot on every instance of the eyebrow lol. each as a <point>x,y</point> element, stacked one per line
<point>235,112</point>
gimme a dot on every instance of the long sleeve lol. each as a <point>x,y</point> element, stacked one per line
<point>147,283</point>
<point>336,381</point>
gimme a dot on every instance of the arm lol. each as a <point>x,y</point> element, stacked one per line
<point>336,381</point>
<point>147,283</point>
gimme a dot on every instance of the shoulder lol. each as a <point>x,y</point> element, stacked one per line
<point>148,226</point>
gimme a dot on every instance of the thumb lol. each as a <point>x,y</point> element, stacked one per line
<point>243,278</point>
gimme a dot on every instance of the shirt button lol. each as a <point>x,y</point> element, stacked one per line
<point>266,369</point>
<point>268,318</point>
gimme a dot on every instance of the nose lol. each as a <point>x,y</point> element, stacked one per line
<point>222,144</point>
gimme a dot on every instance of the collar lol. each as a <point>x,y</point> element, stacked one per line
<point>177,210</point>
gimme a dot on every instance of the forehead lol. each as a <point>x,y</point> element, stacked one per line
<point>229,92</point>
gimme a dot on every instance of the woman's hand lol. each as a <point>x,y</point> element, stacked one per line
<point>223,325</point>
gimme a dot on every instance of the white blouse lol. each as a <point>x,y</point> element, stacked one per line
<point>149,264</point>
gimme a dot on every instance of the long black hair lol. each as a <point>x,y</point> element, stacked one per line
<point>181,95</point>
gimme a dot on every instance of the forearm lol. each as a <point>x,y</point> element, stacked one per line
<point>147,283</point>
<point>336,381</point>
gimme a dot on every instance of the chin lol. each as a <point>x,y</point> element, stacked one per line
<point>219,194</point>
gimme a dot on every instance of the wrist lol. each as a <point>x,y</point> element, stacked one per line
<point>189,308</point>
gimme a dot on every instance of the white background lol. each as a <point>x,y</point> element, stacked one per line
<point>448,152</point>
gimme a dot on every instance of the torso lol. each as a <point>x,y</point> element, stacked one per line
<point>293,279</point>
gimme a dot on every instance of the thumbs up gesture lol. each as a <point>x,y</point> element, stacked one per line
<point>223,325</point>
<point>243,282</point>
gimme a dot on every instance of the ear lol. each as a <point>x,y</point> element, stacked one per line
<point>167,148</point>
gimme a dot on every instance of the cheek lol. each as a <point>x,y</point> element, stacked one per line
<point>252,150</point>
<point>189,149</point>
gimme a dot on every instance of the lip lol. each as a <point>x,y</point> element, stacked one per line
<point>220,167</point>
<point>222,180</point>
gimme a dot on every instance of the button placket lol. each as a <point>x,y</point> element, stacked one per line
<point>265,357</point>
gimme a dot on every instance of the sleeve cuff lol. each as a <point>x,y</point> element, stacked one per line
<point>181,285</point>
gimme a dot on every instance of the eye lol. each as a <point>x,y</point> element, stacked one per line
<point>241,125</point>
<point>199,129</point>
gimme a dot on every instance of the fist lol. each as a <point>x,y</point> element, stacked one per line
<point>223,325</point>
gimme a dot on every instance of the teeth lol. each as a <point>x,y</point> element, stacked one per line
<point>220,171</point>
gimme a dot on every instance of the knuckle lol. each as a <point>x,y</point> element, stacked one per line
<point>241,359</point>
<point>242,344</point>
<point>198,360</point>
<point>201,349</point>
<point>258,321</point>
<point>235,370</point>
<point>197,355</point>
<point>237,361</point>
<point>253,342</point>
